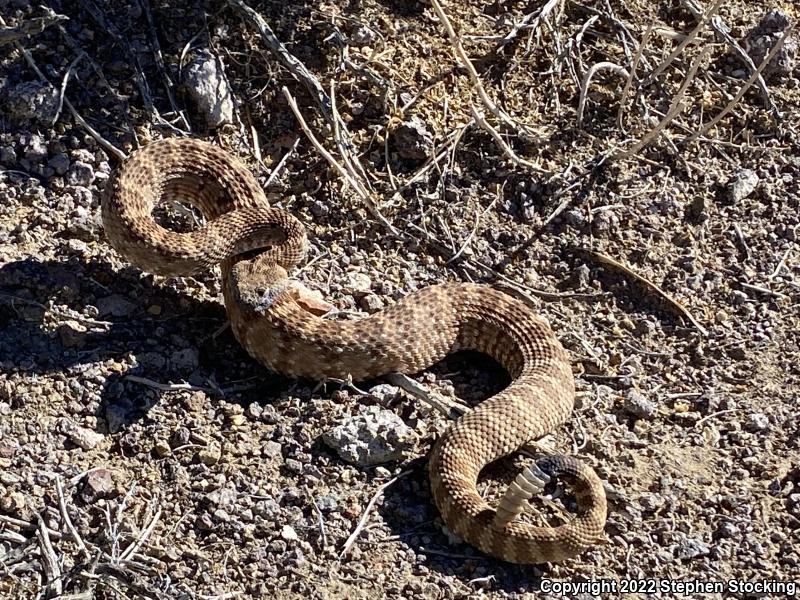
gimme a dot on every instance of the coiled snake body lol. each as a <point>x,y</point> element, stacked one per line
<point>270,320</point>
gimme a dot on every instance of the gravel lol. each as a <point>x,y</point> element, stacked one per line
<point>128,389</point>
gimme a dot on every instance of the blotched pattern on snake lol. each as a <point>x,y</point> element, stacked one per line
<point>257,245</point>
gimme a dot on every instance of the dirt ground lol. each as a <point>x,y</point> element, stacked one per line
<point>143,454</point>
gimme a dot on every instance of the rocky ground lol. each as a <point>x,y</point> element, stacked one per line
<point>143,454</point>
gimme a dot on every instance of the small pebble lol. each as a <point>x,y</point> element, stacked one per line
<point>209,456</point>
<point>270,414</point>
<point>288,533</point>
<point>692,548</point>
<point>371,303</point>
<point>80,436</point>
<point>81,174</point>
<point>272,450</point>
<point>639,406</point>
<point>115,306</point>
<point>162,448</point>
<point>293,466</point>
<point>741,185</point>
<point>757,422</point>
<point>254,410</point>
<point>97,484</point>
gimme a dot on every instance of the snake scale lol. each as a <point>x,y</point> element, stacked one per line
<point>257,245</point>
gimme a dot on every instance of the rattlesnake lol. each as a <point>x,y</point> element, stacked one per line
<point>256,245</point>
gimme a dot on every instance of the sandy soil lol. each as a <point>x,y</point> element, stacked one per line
<point>668,267</point>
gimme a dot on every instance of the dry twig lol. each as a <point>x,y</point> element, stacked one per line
<point>353,536</point>
<point>110,148</point>
<point>62,504</point>
<point>587,79</point>
<point>351,178</point>
<point>138,73</point>
<point>723,31</point>
<point>292,64</point>
<point>746,86</point>
<point>9,35</point>
<point>51,566</point>
<point>661,297</point>
<point>467,63</point>
<point>686,41</point>
<point>487,102</point>
<point>676,107</point>
<point>507,150</point>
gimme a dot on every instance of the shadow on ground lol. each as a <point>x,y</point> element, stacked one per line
<point>43,329</point>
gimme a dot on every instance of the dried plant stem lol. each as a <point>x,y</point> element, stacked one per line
<point>587,79</point>
<point>473,74</point>
<point>686,41</point>
<point>674,110</point>
<point>723,31</point>
<point>62,504</point>
<point>629,83</point>
<point>358,187</point>
<point>107,146</point>
<point>659,295</point>
<point>294,66</point>
<point>353,536</point>
<point>507,150</point>
<point>746,86</point>
<point>9,35</point>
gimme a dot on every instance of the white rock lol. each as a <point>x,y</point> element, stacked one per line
<point>374,437</point>
<point>80,436</point>
<point>208,87</point>
<point>289,534</point>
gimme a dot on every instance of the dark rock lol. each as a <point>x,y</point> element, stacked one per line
<point>115,305</point>
<point>97,484</point>
<point>412,140</point>
<point>33,101</point>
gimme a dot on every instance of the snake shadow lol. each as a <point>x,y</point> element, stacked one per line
<point>44,329</point>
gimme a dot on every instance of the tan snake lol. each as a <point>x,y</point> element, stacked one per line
<point>271,319</point>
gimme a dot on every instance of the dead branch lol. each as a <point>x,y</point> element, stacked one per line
<point>110,148</point>
<point>365,195</point>
<point>9,35</point>
<point>480,119</point>
<point>587,79</point>
<point>686,41</point>
<point>159,60</point>
<point>723,31</point>
<point>487,102</point>
<point>467,63</point>
<point>138,73</point>
<point>676,107</point>
<point>292,64</point>
<point>746,86</point>
<point>661,297</point>
<point>353,536</point>
<point>530,21</point>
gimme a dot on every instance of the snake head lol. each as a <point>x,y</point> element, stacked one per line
<point>255,284</point>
